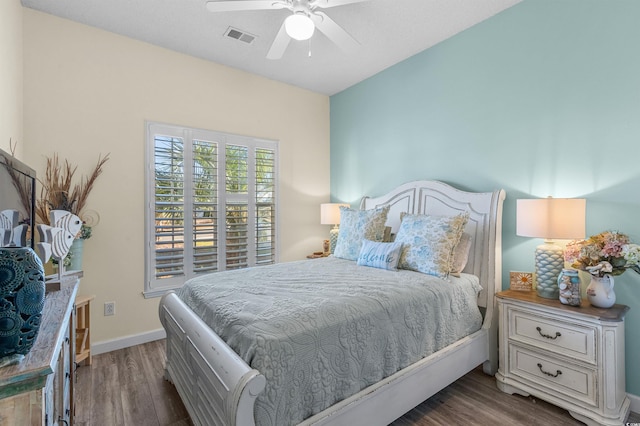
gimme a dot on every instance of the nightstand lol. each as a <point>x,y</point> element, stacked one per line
<point>572,357</point>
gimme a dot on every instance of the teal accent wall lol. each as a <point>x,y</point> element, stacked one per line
<point>541,99</point>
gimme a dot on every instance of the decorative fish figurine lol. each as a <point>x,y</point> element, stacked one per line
<point>65,220</point>
<point>12,234</point>
<point>5,237</point>
<point>61,243</point>
<point>8,218</point>
<point>19,237</point>
<point>44,251</point>
<point>56,240</point>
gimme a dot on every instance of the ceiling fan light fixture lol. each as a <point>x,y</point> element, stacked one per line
<point>299,26</point>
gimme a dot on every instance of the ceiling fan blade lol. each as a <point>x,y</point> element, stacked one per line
<point>239,5</point>
<point>279,44</point>
<point>331,3</point>
<point>334,32</point>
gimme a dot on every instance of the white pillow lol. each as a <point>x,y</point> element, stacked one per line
<point>461,255</point>
<point>355,227</point>
<point>428,242</point>
<point>380,255</point>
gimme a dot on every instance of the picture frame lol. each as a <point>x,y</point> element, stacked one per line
<point>521,281</point>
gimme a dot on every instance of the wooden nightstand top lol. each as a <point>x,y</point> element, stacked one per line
<point>317,256</point>
<point>614,313</point>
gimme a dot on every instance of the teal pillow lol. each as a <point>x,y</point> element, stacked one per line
<point>355,227</point>
<point>380,255</point>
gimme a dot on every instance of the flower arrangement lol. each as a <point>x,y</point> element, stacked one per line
<point>607,253</point>
<point>59,193</point>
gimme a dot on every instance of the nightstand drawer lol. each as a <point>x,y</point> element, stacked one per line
<point>565,379</point>
<point>553,334</point>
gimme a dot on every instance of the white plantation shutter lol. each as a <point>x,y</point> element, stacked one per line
<point>169,207</point>
<point>265,206</point>
<point>237,206</point>
<point>205,206</point>
<point>211,204</point>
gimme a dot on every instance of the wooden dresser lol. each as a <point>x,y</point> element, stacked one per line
<point>39,389</point>
<point>572,357</point>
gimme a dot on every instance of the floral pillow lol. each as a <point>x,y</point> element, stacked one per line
<point>355,227</point>
<point>380,255</point>
<point>428,242</point>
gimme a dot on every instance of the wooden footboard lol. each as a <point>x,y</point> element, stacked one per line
<point>215,384</point>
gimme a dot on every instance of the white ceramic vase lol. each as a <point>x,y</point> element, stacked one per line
<point>600,292</point>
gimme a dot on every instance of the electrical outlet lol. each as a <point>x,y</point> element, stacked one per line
<point>109,308</point>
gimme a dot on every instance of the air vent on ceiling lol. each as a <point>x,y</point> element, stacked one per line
<point>240,35</point>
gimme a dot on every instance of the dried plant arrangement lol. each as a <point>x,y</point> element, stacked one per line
<point>58,192</point>
<point>20,184</point>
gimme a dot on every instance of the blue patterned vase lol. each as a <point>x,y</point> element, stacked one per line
<point>22,292</point>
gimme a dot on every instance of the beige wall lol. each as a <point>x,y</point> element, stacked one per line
<point>88,91</point>
<point>11,75</point>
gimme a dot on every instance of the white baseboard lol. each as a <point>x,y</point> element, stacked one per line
<point>127,341</point>
<point>635,403</point>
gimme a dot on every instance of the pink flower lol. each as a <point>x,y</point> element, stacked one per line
<point>572,251</point>
<point>613,243</point>
<point>606,253</point>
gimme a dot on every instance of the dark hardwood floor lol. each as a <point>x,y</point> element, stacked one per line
<point>126,387</point>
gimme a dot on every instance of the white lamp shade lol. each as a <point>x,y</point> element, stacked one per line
<point>330,213</point>
<point>551,218</point>
<point>299,26</point>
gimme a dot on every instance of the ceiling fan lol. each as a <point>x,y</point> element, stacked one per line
<point>300,25</point>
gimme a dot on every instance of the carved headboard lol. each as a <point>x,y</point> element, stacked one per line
<point>439,199</point>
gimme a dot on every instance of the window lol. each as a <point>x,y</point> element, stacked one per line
<point>211,204</point>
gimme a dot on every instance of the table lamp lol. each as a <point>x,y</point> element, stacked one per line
<point>551,219</point>
<point>330,215</point>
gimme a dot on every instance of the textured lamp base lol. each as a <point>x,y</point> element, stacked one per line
<point>22,291</point>
<point>549,263</point>
<point>333,238</point>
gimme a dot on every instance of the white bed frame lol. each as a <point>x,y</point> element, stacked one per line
<point>219,388</point>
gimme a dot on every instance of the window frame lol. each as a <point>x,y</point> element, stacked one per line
<point>155,287</point>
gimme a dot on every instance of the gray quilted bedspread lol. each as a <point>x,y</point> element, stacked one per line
<point>322,330</point>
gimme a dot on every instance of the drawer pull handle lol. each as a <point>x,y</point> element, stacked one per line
<point>558,372</point>
<point>547,336</point>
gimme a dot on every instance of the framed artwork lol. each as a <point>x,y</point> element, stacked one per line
<point>521,281</point>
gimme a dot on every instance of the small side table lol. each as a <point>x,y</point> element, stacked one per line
<point>83,328</point>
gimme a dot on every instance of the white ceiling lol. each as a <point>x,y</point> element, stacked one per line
<point>389,31</point>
